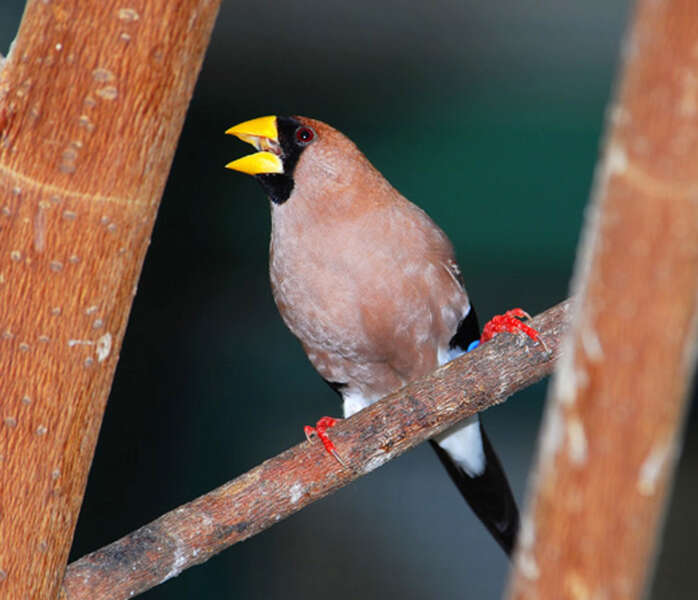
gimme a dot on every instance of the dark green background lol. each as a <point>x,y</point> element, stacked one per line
<point>488,115</point>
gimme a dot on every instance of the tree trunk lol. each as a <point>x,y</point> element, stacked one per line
<point>614,420</point>
<point>92,100</point>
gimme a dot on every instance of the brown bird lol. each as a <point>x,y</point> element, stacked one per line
<point>370,286</point>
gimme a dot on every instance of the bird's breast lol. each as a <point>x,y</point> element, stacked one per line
<point>316,285</point>
<point>365,290</point>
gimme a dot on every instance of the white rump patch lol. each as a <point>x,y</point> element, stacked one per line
<point>464,445</point>
<point>463,442</point>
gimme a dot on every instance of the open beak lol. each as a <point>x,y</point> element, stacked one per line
<point>263,135</point>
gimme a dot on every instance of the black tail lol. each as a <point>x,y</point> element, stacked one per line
<point>488,494</point>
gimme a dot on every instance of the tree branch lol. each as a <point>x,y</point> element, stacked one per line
<point>615,414</point>
<point>283,485</point>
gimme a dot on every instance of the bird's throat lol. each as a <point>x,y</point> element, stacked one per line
<point>278,186</point>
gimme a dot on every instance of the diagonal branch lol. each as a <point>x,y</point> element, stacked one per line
<point>285,484</point>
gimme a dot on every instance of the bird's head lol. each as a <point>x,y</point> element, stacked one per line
<point>292,150</point>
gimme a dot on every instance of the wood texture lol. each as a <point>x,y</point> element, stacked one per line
<point>283,485</point>
<point>92,100</point>
<point>614,420</point>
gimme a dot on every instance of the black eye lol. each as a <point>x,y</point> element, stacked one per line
<point>304,135</point>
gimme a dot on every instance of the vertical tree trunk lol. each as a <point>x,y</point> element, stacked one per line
<point>92,99</point>
<point>615,416</point>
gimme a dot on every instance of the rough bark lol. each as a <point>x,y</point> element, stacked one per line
<point>283,485</point>
<point>614,420</point>
<point>92,100</point>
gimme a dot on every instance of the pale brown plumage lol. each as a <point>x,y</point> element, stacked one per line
<point>362,276</point>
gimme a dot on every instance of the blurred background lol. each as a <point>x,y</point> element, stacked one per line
<point>510,95</point>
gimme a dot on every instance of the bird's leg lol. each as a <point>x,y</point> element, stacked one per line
<point>320,430</point>
<point>510,322</point>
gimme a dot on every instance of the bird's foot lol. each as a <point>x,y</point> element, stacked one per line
<point>320,430</point>
<point>511,322</point>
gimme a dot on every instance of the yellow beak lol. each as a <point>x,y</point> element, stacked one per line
<point>263,135</point>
